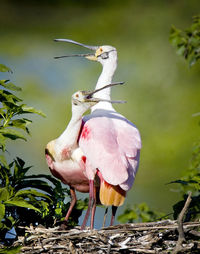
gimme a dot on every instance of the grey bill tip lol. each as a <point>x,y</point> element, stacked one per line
<point>77,43</point>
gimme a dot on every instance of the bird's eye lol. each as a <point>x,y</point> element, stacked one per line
<point>77,95</point>
<point>104,55</point>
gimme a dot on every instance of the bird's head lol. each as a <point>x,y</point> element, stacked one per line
<point>103,54</point>
<point>80,103</point>
<point>84,100</point>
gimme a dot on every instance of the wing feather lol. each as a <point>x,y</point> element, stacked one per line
<point>99,143</point>
<point>130,142</point>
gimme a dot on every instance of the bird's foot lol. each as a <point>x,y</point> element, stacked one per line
<point>63,225</point>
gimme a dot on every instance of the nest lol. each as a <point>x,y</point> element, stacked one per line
<point>153,237</point>
<point>167,236</point>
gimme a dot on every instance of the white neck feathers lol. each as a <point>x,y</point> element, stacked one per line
<point>104,79</point>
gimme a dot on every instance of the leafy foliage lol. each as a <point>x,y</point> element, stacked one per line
<point>4,68</point>
<point>139,213</point>
<point>25,199</point>
<point>10,250</point>
<point>11,111</point>
<point>187,42</point>
<point>190,182</point>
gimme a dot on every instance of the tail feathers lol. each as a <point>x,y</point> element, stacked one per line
<point>111,195</point>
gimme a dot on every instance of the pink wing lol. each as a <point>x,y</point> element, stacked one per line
<point>99,143</point>
<point>128,137</point>
<point>129,141</point>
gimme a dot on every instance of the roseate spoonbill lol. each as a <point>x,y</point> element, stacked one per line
<point>110,142</point>
<point>64,157</point>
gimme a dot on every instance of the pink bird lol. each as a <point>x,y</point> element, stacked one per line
<point>64,156</point>
<point>110,142</point>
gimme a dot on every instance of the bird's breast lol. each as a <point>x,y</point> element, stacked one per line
<point>71,173</point>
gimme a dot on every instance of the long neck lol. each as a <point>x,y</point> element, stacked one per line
<point>104,79</point>
<point>70,135</point>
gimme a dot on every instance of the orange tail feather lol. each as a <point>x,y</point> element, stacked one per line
<point>111,195</point>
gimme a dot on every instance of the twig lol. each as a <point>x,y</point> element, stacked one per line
<point>109,249</point>
<point>194,233</point>
<point>181,237</point>
<point>143,251</point>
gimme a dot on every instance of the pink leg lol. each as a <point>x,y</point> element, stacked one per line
<point>72,204</point>
<point>114,210</point>
<point>91,203</point>
<point>93,210</point>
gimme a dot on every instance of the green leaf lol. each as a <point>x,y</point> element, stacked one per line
<point>187,42</point>
<point>27,109</point>
<point>9,222</point>
<point>20,123</point>
<point>21,162</point>
<point>2,211</point>
<point>140,212</point>
<point>183,182</point>
<point>4,68</point>
<point>3,161</point>
<point>5,174</point>
<point>9,85</point>
<point>19,172</point>
<point>21,203</point>
<point>12,134</point>
<point>48,177</point>
<point>11,250</point>
<point>38,184</point>
<point>192,60</point>
<point>31,192</point>
<point>4,194</point>
<point>58,212</point>
<point>82,204</point>
<point>129,215</point>
<point>2,143</point>
<point>5,96</point>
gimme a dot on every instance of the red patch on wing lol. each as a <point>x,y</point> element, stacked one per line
<point>84,159</point>
<point>85,132</point>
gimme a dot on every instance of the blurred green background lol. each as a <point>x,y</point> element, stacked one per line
<point>162,92</point>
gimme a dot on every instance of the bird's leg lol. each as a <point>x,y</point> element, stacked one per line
<point>91,203</point>
<point>114,210</point>
<point>63,224</point>
<point>104,217</point>
<point>72,204</point>
<point>93,209</point>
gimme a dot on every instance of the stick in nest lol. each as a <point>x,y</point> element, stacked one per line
<point>181,237</point>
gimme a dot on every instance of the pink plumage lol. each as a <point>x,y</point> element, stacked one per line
<point>110,144</point>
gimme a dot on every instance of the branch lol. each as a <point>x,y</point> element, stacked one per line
<point>181,237</point>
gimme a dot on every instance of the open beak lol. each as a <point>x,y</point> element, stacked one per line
<point>88,96</point>
<point>89,56</point>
